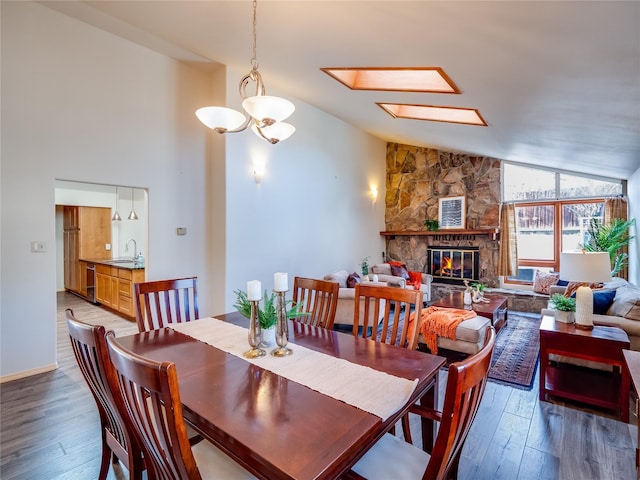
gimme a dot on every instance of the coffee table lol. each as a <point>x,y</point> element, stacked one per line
<point>495,310</point>
<point>593,387</point>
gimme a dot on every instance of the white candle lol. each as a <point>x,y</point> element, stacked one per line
<point>280,282</point>
<point>254,290</point>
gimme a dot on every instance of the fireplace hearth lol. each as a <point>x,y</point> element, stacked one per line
<point>453,265</point>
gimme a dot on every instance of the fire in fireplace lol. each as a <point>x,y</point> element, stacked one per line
<point>453,265</point>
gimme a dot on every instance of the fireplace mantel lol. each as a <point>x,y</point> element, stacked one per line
<point>493,232</point>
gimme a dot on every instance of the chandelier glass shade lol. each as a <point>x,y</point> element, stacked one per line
<point>265,112</point>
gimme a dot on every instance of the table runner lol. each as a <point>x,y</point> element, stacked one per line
<point>378,393</point>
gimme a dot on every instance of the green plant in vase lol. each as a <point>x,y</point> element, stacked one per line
<point>565,307</point>
<point>364,265</point>
<point>267,314</point>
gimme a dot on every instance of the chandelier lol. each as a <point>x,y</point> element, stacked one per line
<point>265,113</point>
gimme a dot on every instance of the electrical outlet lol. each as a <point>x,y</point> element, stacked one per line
<point>38,247</point>
<point>181,230</point>
<point>107,246</point>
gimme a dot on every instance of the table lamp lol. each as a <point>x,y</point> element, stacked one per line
<point>585,267</point>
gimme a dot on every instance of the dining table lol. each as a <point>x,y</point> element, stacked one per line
<point>284,426</point>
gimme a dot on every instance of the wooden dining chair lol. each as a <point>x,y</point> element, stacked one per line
<point>380,311</point>
<point>318,298</point>
<point>118,443</point>
<point>395,458</point>
<point>152,397</point>
<point>162,302</point>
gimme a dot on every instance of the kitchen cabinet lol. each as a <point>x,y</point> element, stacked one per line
<point>86,233</point>
<point>114,287</point>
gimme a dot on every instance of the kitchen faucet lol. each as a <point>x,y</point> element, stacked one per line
<point>135,247</point>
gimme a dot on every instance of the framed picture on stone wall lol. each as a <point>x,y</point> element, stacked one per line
<point>451,213</point>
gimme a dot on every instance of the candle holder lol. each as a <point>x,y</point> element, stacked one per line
<point>255,334</point>
<point>282,328</point>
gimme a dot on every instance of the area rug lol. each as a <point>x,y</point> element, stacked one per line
<point>517,351</point>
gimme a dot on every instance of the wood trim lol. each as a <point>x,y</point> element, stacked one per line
<point>494,232</point>
<point>28,373</point>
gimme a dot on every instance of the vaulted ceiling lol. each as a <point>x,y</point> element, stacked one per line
<point>558,83</point>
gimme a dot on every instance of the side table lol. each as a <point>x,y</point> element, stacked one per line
<point>495,310</point>
<point>603,345</point>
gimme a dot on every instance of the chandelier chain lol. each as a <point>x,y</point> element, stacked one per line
<point>254,60</point>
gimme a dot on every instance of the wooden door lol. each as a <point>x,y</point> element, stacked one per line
<point>95,232</point>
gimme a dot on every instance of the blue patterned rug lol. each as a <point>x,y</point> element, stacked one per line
<point>517,351</point>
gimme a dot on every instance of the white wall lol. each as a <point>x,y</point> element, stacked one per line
<point>312,213</point>
<point>80,104</point>
<point>83,105</point>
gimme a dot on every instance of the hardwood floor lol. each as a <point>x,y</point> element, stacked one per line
<point>49,427</point>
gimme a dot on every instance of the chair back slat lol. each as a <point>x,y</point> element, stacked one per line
<point>466,382</point>
<point>90,350</point>
<point>151,394</point>
<point>319,298</point>
<point>160,303</point>
<point>381,313</point>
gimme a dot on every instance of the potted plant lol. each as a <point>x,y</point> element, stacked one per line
<point>432,225</point>
<point>478,291</point>
<point>610,238</point>
<point>364,265</point>
<point>267,315</point>
<point>565,308</point>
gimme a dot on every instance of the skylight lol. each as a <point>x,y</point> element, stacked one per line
<point>467,116</point>
<point>414,79</point>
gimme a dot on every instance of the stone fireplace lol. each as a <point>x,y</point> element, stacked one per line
<point>417,178</point>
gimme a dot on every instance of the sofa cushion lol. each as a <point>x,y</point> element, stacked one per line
<point>381,269</point>
<point>354,279</point>
<point>340,277</point>
<point>542,281</point>
<point>626,302</point>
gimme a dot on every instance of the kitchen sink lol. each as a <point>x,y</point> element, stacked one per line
<point>126,260</point>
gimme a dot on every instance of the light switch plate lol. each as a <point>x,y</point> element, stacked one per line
<point>38,247</point>
<point>107,246</point>
<point>181,230</point>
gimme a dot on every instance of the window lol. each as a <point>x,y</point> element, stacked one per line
<point>553,211</point>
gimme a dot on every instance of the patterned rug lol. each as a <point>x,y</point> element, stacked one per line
<point>517,351</point>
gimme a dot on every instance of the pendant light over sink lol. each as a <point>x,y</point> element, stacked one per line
<point>116,216</point>
<point>266,113</point>
<point>132,215</point>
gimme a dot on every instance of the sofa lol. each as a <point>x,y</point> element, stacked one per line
<point>379,274</point>
<point>346,297</point>
<point>384,273</point>
<point>623,312</point>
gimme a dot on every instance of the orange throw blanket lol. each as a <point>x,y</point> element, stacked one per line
<point>438,322</point>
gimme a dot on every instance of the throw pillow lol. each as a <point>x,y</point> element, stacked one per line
<point>353,279</point>
<point>340,277</point>
<point>415,279</point>
<point>626,303</point>
<point>399,270</point>
<point>543,281</point>
<point>573,286</point>
<point>602,300</point>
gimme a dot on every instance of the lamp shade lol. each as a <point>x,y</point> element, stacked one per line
<point>220,119</point>
<point>586,267</point>
<point>276,132</point>
<point>268,108</point>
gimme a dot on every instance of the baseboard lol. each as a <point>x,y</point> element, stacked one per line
<point>28,373</point>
